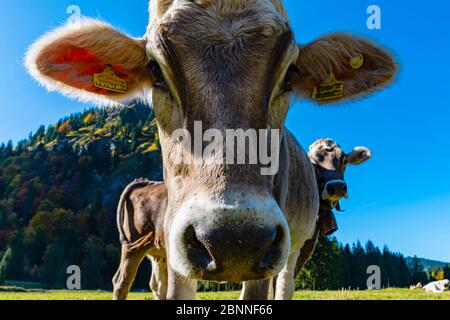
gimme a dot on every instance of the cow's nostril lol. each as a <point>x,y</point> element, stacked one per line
<point>197,252</point>
<point>273,253</point>
<point>331,188</point>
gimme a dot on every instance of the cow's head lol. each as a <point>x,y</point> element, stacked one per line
<point>231,65</point>
<point>330,163</point>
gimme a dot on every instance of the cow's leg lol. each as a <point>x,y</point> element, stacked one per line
<point>158,281</point>
<point>179,287</point>
<point>285,283</point>
<point>124,278</point>
<point>306,253</point>
<point>271,295</point>
<point>256,290</point>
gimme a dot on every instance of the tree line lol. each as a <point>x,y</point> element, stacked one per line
<point>334,266</point>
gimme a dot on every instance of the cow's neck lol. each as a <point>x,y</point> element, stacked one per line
<point>281,179</point>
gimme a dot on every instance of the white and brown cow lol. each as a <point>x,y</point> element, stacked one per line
<point>437,286</point>
<point>231,64</point>
<point>330,163</point>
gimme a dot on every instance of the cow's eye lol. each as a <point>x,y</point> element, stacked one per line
<point>320,157</point>
<point>157,74</point>
<point>288,80</point>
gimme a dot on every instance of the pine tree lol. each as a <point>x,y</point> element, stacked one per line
<point>4,265</point>
<point>386,274</point>
<point>16,265</point>
<point>447,271</point>
<point>373,255</point>
<point>93,263</point>
<point>417,271</point>
<point>347,263</point>
<point>405,273</point>
<point>54,266</point>
<point>358,267</point>
<point>9,147</point>
<point>325,264</point>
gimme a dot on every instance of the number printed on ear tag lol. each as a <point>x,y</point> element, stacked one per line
<point>110,81</point>
<point>329,89</point>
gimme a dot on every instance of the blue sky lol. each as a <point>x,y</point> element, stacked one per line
<point>400,198</point>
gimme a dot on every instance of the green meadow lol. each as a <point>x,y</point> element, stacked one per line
<point>15,293</point>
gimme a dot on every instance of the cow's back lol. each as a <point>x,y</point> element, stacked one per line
<point>302,201</point>
<point>149,204</point>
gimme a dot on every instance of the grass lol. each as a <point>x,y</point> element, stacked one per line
<point>386,294</point>
<point>16,293</point>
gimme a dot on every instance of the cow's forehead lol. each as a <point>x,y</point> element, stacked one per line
<point>221,20</point>
<point>323,144</point>
<point>158,8</point>
<point>326,145</point>
<point>217,21</point>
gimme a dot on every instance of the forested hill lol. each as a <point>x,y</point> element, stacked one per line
<point>58,195</point>
<point>428,264</point>
<point>60,187</point>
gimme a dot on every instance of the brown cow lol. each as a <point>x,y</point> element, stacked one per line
<point>230,65</point>
<point>330,163</point>
<point>140,219</point>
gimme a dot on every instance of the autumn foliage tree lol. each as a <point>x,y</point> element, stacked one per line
<point>59,190</point>
<point>65,127</point>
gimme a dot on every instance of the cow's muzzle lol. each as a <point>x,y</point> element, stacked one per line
<point>335,190</point>
<point>244,238</point>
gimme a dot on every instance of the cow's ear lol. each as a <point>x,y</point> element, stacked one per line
<point>359,155</point>
<point>90,61</point>
<point>340,66</point>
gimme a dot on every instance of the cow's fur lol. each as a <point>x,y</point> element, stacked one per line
<point>437,286</point>
<point>238,75</point>
<point>140,217</point>
<point>331,55</point>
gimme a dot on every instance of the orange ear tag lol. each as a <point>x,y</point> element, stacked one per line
<point>329,89</point>
<point>110,81</point>
<point>357,61</point>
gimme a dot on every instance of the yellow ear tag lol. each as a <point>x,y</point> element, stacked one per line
<point>357,61</point>
<point>329,89</point>
<point>110,81</point>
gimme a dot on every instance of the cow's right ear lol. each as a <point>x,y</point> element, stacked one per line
<point>91,61</point>
<point>359,155</point>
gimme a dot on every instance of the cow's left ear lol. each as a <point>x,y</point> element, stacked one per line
<point>91,61</point>
<point>340,67</point>
<point>359,155</point>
